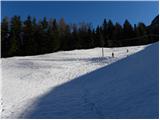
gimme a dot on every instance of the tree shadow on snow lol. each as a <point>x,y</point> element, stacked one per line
<point>93,60</point>
<point>109,92</point>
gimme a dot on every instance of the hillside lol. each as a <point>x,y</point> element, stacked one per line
<point>80,84</point>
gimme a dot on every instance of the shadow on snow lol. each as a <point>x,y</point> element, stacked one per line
<point>113,91</point>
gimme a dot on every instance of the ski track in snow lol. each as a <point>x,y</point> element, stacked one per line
<point>25,79</point>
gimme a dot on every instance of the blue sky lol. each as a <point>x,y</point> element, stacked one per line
<point>78,11</point>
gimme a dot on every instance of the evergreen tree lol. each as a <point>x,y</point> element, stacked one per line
<point>97,36</point>
<point>89,42</point>
<point>74,37</point>
<point>43,37</point>
<point>108,28</point>
<point>141,32</point>
<point>16,43</point>
<point>50,34</point>
<point>57,34</point>
<point>105,28</point>
<point>5,37</point>
<point>117,35</point>
<point>62,33</point>
<point>141,29</point>
<point>29,42</point>
<point>128,33</point>
<point>127,30</point>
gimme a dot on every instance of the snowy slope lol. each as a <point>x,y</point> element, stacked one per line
<point>59,85</point>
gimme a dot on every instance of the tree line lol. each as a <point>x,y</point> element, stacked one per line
<point>32,37</point>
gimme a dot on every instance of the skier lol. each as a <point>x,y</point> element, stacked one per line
<point>127,50</point>
<point>113,55</point>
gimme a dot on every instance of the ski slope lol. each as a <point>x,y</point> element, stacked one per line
<point>81,84</point>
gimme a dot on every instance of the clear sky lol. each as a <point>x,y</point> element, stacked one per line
<point>77,11</point>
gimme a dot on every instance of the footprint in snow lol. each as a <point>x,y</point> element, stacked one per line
<point>3,110</point>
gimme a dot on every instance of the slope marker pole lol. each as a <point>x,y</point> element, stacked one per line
<point>102,52</point>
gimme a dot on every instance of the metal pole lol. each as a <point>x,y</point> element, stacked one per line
<point>102,52</point>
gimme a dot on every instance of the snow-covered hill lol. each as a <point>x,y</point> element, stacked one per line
<point>81,84</point>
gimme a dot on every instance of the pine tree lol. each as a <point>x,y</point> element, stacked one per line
<point>63,30</point>
<point>5,37</point>
<point>29,43</point>
<point>74,38</point>
<point>16,43</point>
<point>43,37</point>
<point>108,28</point>
<point>142,33</point>
<point>57,42</point>
<point>128,33</point>
<point>50,34</point>
<point>105,27</point>
<point>117,35</point>
<point>127,30</point>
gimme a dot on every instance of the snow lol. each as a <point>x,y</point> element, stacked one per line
<point>82,84</point>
